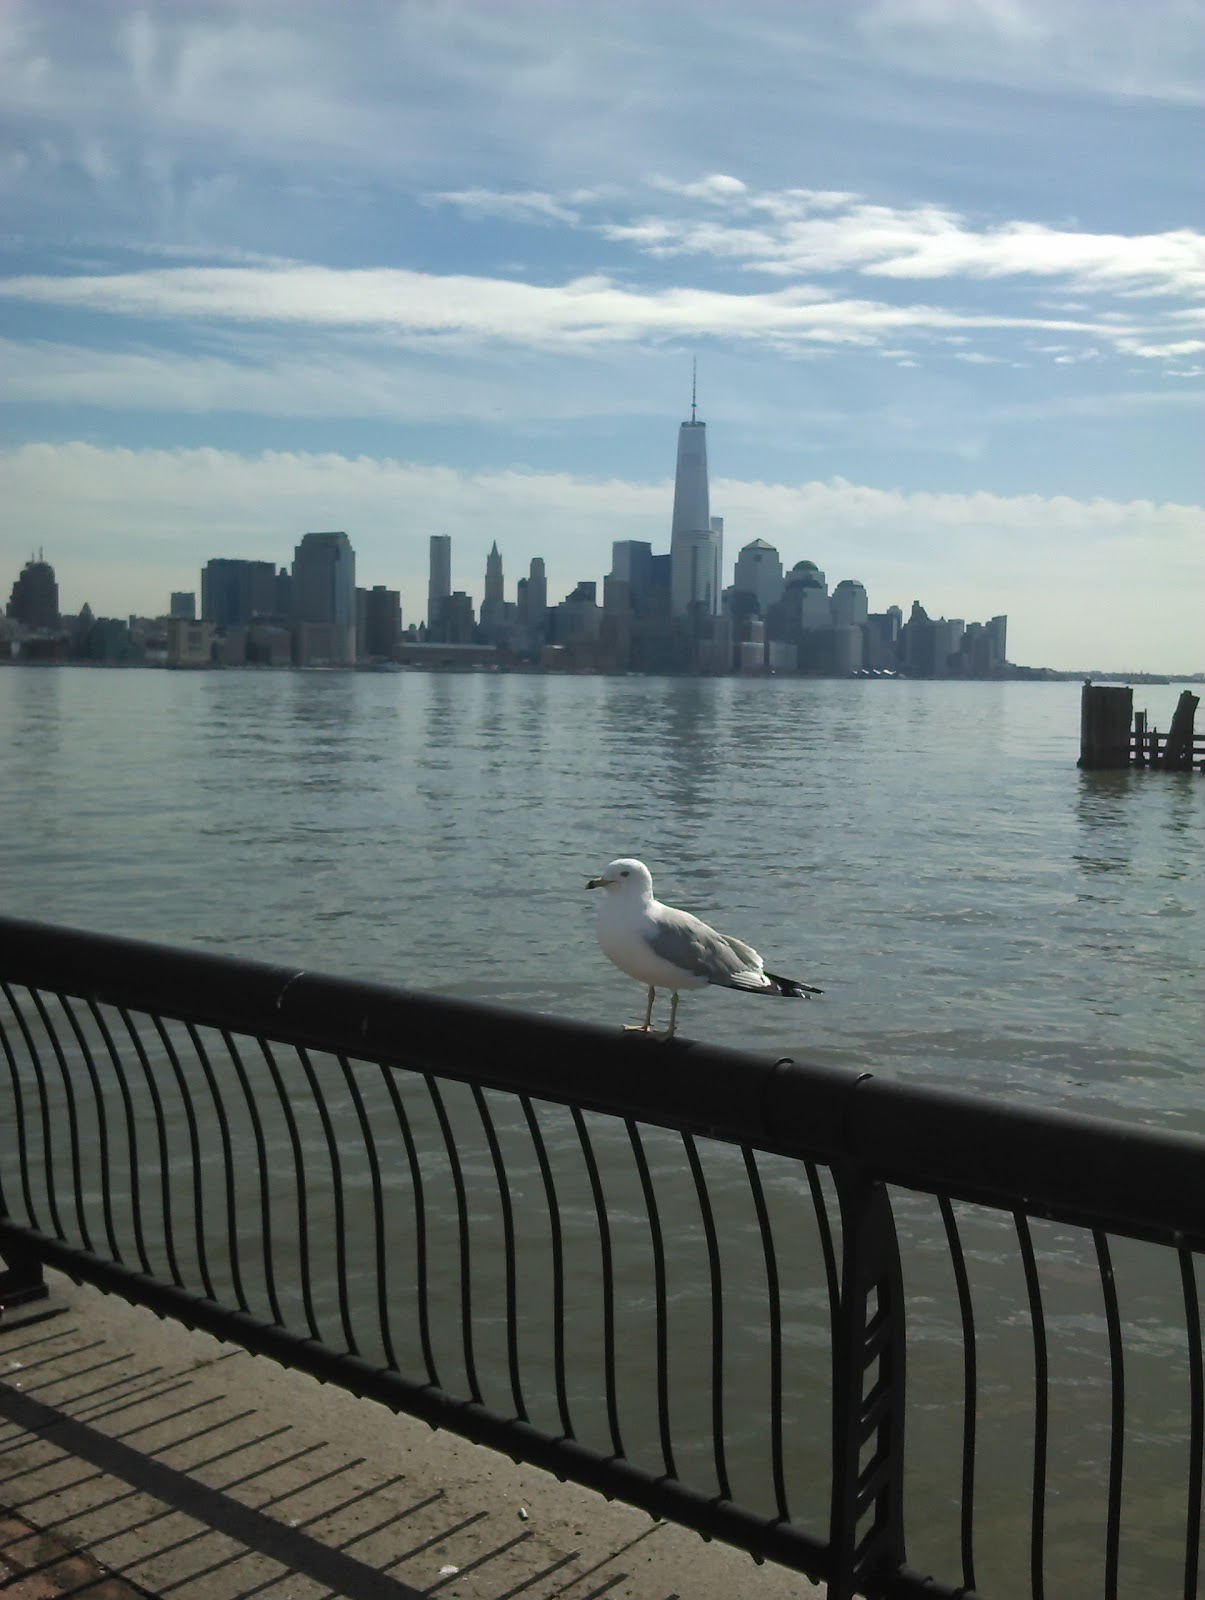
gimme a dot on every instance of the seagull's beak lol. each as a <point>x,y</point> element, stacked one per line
<point>597,883</point>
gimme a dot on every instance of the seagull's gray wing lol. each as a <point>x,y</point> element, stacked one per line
<point>691,945</point>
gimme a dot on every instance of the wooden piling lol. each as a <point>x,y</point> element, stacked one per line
<point>1177,752</point>
<point>1104,726</point>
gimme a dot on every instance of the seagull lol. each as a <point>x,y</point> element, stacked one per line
<point>669,949</point>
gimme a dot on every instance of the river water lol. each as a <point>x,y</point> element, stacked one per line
<point>978,912</point>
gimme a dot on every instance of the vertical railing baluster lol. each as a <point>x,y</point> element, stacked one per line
<point>127,1100</point>
<point>340,1232</point>
<point>31,1210</point>
<point>462,1219</point>
<point>1041,1409</point>
<point>165,1189</point>
<point>77,1175</point>
<point>265,1188</point>
<point>715,1277</point>
<point>302,1190</point>
<point>870,1330</point>
<point>1196,1421</point>
<point>608,1278</point>
<point>558,1266</point>
<point>966,1312</point>
<point>508,1249</point>
<point>194,1146</point>
<point>103,1150</point>
<point>774,1306</point>
<point>1117,1411</point>
<point>661,1298</point>
<point>378,1209</point>
<point>389,1075</point>
<point>219,1106</point>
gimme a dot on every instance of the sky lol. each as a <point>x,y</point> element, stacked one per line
<point>443,266</point>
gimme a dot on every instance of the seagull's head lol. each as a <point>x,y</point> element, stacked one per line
<point>627,877</point>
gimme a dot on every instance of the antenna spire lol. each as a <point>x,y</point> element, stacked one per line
<point>694,384</point>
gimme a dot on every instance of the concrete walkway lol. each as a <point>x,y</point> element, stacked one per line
<point>139,1459</point>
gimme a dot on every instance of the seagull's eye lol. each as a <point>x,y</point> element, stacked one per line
<point>625,874</point>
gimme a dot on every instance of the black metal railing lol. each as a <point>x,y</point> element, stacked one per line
<point>872,1331</point>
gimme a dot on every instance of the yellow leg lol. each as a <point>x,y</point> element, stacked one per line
<point>646,1025</point>
<point>673,1015</point>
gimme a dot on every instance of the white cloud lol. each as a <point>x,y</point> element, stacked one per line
<point>124,526</point>
<point>799,234</point>
<point>527,205</point>
<point>585,310</point>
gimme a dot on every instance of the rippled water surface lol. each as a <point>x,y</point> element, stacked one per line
<point>977,910</point>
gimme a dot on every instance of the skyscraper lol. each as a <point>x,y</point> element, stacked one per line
<point>694,545</point>
<point>537,594</point>
<point>35,596</point>
<point>233,592</point>
<point>493,575</point>
<point>439,584</point>
<point>759,572</point>
<point>493,607</point>
<point>324,594</point>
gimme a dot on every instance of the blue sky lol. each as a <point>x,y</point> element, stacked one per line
<point>443,268</point>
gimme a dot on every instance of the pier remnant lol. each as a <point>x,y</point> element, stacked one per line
<point>1105,714</point>
<point>1178,751</point>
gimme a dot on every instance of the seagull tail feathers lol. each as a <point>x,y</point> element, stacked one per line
<point>791,988</point>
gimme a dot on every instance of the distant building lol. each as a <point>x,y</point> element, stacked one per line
<point>382,622</point>
<point>34,601</point>
<point>758,572</point>
<point>324,596</point>
<point>234,592</point>
<point>537,596</point>
<point>189,643</point>
<point>439,581</point>
<point>695,543</point>
<point>848,604</point>
<point>184,604</point>
<point>492,624</point>
<point>458,625</point>
<point>579,615</point>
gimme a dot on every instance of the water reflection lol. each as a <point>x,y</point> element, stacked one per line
<point>1103,812</point>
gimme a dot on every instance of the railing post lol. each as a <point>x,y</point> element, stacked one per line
<point>22,1280</point>
<point>867,1526</point>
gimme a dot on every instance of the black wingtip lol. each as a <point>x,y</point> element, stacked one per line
<point>791,988</point>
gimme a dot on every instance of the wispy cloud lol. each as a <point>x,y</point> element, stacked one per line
<point>591,309</point>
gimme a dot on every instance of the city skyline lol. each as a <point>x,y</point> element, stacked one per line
<point>416,271</point>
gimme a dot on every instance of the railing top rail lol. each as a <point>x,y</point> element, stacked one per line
<point>1129,1178</point>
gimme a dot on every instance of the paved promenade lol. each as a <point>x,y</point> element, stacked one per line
<point>139,1459</point>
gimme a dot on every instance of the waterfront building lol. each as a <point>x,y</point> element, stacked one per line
<point>849,606</point>
<point>627,588</point>
<point>324,597</point>
<point>189,642</point>
<point>233,591</point>
<point>537,596</point>
<point>459,623</point>
<point>439,582</point>
<point>184,604</point>
<point>579,616</point>
<point>758,572</point>
<point>382,622</point>
<point>881,635</point>
<point>492,625</point>
<point>695,544</point>
<point>34,601</point>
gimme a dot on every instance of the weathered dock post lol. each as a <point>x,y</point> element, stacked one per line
<point>1105,715</point>
<point>1177,752</point>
